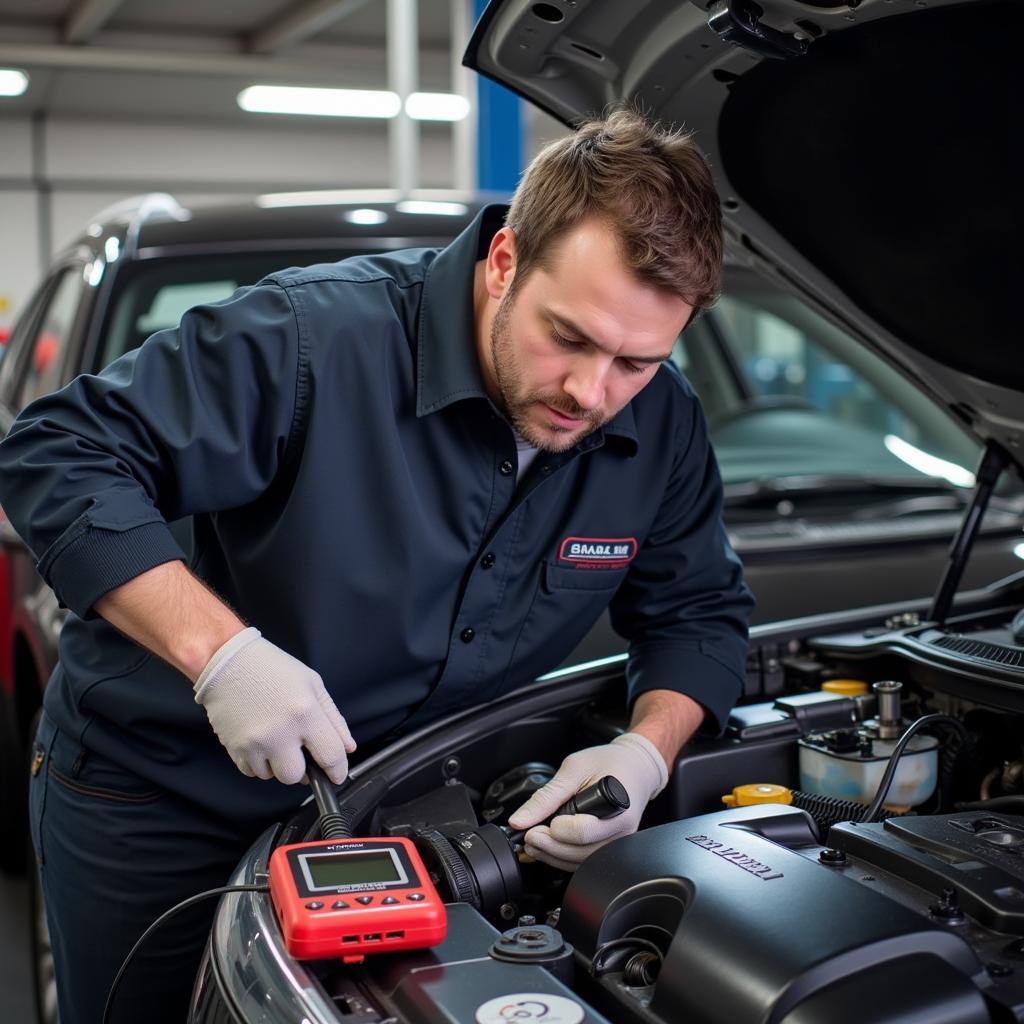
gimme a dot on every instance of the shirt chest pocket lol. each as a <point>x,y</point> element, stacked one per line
<point>558,579</point>
<point>566,602</point>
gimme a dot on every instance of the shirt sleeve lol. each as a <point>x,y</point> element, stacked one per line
<point>197,419</point>
<point>683,605</point>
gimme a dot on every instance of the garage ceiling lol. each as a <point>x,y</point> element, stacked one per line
<point>191,58</point>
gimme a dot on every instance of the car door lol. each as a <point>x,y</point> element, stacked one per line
<point>38,359</point>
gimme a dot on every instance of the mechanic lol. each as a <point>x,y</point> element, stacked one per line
<point>359,496</point>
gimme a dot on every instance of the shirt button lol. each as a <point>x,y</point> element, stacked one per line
<point>506,468</point>
<point>467,635</point>
<point>545,470</point>
<point>487,561</point>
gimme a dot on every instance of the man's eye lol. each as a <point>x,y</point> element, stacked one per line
<point>563,341</point>
<point>633,368</point>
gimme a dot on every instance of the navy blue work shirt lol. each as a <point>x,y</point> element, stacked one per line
<point>325,441</point>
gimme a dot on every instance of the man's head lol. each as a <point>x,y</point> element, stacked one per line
<point>613,241</point>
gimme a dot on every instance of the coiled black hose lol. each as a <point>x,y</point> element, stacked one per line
<point>642,969</point>
<point>828,810</point>
<point>949,755</point>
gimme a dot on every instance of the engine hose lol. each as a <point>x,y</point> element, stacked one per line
<point>828,810</point>
<point>1010,804</point>
<point>642,969</point>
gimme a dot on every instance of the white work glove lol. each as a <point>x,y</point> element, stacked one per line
<point>265,706</point>
<point>571,838</point>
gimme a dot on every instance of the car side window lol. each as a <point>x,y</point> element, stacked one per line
<point>48,348</point>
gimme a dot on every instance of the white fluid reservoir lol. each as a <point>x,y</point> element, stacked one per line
<point>850,775</point>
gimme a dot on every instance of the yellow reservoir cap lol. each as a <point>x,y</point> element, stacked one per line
<point>758,793</point>
<point>846,687</point>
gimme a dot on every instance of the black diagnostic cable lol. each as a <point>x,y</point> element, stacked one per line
<point>873,809</point>
<point>335,822</point>
<point>164,917</point>
<point>605,798</point>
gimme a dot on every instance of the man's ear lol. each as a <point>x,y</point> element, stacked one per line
<point>500,267</point>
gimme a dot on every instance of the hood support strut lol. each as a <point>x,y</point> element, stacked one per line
<point>993,461</point>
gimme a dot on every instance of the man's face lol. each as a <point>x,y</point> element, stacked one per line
<point>572,345</point>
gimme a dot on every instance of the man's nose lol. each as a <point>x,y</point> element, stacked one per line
<point>585,382</point>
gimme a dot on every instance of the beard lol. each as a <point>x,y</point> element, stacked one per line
<point>517,397</point>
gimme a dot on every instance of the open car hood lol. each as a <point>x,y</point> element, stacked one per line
<point>864,151</point>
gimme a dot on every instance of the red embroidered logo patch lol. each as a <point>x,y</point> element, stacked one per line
<point>597,552</point>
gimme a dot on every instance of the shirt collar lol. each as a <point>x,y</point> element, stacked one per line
<point>448,365</point>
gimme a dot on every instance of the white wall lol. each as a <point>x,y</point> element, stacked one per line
<point>54,174</point>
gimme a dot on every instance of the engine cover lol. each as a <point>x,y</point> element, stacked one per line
<point>757,928</point>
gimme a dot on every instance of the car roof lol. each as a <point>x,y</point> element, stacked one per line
<point>157,224</point>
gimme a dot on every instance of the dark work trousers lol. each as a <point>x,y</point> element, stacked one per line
<point>114,853</point>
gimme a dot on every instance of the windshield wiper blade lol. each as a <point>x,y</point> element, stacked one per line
<point>775,488</point>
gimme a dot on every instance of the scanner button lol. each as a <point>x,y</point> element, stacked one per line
<point>389,899</point>
<point>365,900</point>
<point>339,905</point>
<point>315,905</point>
<point>415,896</point>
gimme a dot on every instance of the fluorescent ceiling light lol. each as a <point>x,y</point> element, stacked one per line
<point>12,83</point>
<point>287,99</point>
<point>930,465</point>
<point>290,99</point>
<point>327,197</point>
<point>437,106</point>
<point>366,216</point>
<point>426,207</point>
<point>1019,550</point>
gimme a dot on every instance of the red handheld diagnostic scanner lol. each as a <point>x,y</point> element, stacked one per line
<point>349,897</point>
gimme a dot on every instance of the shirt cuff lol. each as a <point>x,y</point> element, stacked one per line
<point>693,673</point>
<point>97,561</point>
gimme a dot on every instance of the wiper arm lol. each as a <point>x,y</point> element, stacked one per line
<point>754,492</point>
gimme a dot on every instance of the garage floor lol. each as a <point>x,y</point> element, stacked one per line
<point>15,976</point>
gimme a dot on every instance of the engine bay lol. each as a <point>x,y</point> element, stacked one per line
<point>770,881</point>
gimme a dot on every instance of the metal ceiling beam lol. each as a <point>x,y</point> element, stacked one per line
<point>87,19</point>
<point>305,21</point>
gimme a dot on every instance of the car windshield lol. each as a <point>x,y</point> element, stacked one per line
<point>793,402</point>
<point>791,397</point>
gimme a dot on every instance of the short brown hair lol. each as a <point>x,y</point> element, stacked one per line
<point>651,183</point>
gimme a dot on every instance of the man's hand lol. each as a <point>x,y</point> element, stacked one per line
<point>571,838</point>
<point>265,706</point>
